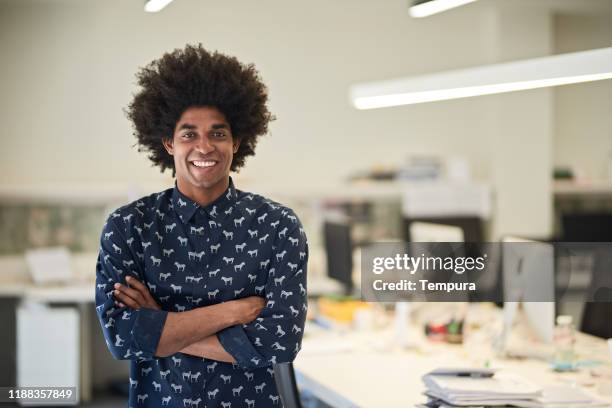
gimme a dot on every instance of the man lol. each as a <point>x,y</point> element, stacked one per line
<point>202,286</point>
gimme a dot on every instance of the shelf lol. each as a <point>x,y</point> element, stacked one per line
<point>572,188</point>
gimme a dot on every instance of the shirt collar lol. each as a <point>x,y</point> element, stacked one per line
<point>217,210</point>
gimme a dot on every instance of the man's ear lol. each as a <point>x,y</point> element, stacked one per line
<point>168,145</point>
<point>236,145</point>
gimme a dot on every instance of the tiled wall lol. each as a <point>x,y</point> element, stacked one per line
<point>77,227</point>
<point>26,226</point>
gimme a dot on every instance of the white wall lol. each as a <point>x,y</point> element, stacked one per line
<point>583,123</point>
<point>71,70</point>
<point>68,70</point>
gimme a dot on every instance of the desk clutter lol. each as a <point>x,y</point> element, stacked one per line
<point>489,388</point>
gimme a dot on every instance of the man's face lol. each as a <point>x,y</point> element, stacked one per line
<point>203,147</point>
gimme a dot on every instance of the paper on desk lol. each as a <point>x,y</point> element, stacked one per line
<point>49,265</point>
<point>519,403</point>
<point>500,385</point>
<point>564,395</point>
<point>505,389</point>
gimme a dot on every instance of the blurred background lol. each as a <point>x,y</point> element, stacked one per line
<point>536,164</point>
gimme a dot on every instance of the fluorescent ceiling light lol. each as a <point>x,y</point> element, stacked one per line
<point>153,6</point>
<point>435,6</point>
<point>585,66</point>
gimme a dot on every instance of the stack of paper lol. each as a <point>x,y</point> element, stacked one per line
<point>462,389</point>
<point>499,389</point>
<point>563,396</point>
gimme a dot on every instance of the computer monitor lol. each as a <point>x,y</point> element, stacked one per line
<point>488,283</point>
<point>594,227</point>
<point>430,232</point>
<point>435,239</point>
<point>423,232</point>
<point>339,252</point>
<point>528,281</point>
<point>471,227</point>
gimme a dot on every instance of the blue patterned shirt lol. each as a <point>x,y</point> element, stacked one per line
<point>190,256</point>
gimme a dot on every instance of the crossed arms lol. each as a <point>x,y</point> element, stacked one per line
<point>241,331</point>
<point>194,331</point>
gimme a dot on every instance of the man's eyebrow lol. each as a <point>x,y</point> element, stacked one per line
<point>214,126</point>
<point>219,126</point>
<point>187,126</point>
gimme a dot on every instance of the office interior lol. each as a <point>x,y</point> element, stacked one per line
<point>535,164</point>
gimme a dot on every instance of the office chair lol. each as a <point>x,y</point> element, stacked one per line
<point>594,227</point>
<point>284,376</point>
<point>595,316</point>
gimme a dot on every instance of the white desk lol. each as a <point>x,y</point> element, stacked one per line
<point>17,283</point>
<point>370,375</point>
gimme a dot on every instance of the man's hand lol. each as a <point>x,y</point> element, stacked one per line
<point>136,295</point>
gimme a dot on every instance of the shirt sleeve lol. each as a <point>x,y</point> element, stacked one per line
<point>276,335</point>
<point>129,334</point>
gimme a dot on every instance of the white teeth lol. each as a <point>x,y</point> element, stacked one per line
<point>204,163</point>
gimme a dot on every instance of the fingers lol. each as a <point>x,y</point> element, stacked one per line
<point>144,290</point>
<point>136,284</point>
<point>136,295</point>
<point>129,295</point>
<point>125,300</point>
<point>139,286</point>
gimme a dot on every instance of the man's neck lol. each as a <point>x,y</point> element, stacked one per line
<point>202,195</point>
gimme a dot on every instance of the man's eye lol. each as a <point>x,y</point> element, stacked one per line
<point>188,135</point>
<point>219,134</point>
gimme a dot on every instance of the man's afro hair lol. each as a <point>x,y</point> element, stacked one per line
<point>192,77</point>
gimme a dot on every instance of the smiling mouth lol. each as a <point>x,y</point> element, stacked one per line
<point>202,164</point>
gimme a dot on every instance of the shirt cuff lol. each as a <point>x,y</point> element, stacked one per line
<point>147,330</point>
<point>235,341</point>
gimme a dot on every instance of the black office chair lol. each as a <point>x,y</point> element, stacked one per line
<point>284,376</point>
<point>595,316</point>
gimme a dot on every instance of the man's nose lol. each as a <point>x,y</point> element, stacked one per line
<point>204,146</point>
